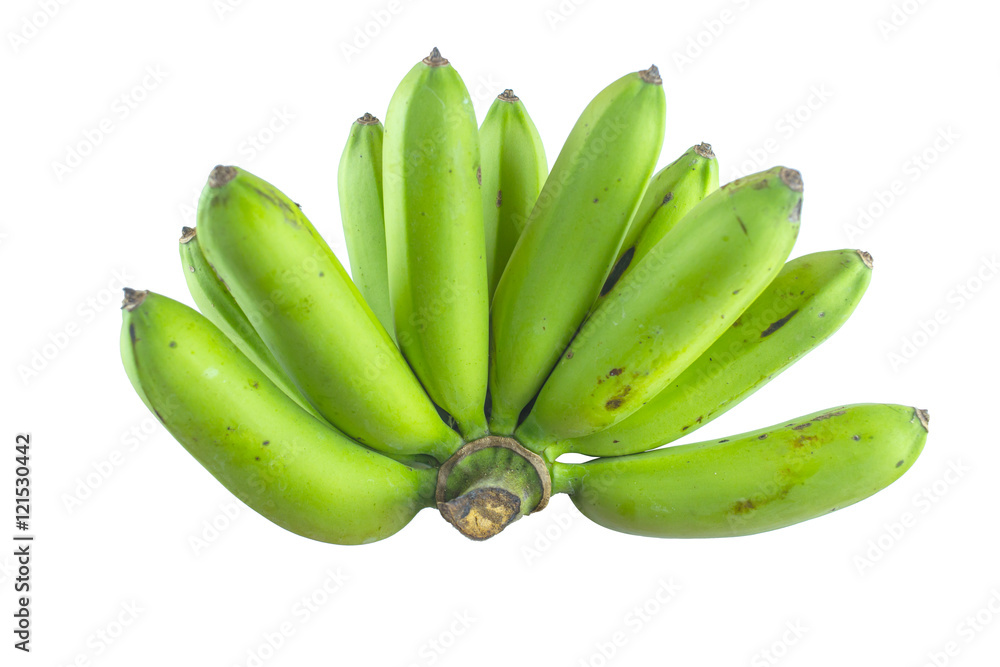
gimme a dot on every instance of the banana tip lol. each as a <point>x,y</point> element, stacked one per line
<point>924,417</point>
<point>866,258</point>
<point>651,75</point>
<point>188,233</point>
<point>705,150</point>
<point>507,96</point>
<point>367,119</point>
<point>791,178</point>
<point>221,175</point>
<point>133,298</point>
<point>435,59</point>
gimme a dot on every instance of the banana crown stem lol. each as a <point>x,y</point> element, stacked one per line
<point>489,483</point>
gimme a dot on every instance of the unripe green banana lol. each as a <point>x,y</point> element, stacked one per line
<point>281,461</point>
<point>670,307</point>
<point>809,300</point>
<point>672,192</point>
<point>571,239</point>
<point>514,169</point>
<point>435,239</point>
<point>754,482</point>
<point>313,319</point>
<point>218,305</point>
<point>359,185</point>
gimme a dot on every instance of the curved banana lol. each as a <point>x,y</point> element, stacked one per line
<point>281,461</point>
<point>218,305</point>
<point>670,307</point>
<point>313,319</point>
<point>809,300</point>
<point>514,169</point>
<point>359,186</point>
<point>435,239</point>
<point>571,239</point>
<point>672,192</point>
<point>753,482</point>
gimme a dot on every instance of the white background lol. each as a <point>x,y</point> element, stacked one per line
<point>119,506</point>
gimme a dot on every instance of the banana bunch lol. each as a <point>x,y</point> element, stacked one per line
<point>498,315</point>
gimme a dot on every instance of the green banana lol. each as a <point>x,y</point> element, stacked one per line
<point>753,482</point>
<point>359,185</point>
<point>572,237</point>
<point>514,169</point>
<point>435,239</point>
<point>285,464</point>
<point>218,305</point>
<point>311,316</point>
<point>670,307</point>
<point>672,192</point>
<point>809,300</point>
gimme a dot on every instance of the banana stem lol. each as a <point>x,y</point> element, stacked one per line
<point>490,483</point>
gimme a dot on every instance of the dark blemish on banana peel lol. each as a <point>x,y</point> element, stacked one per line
<point>615,402</point>
<point>778,324</point>
<point>742,226</point>
<point>743,506</point>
